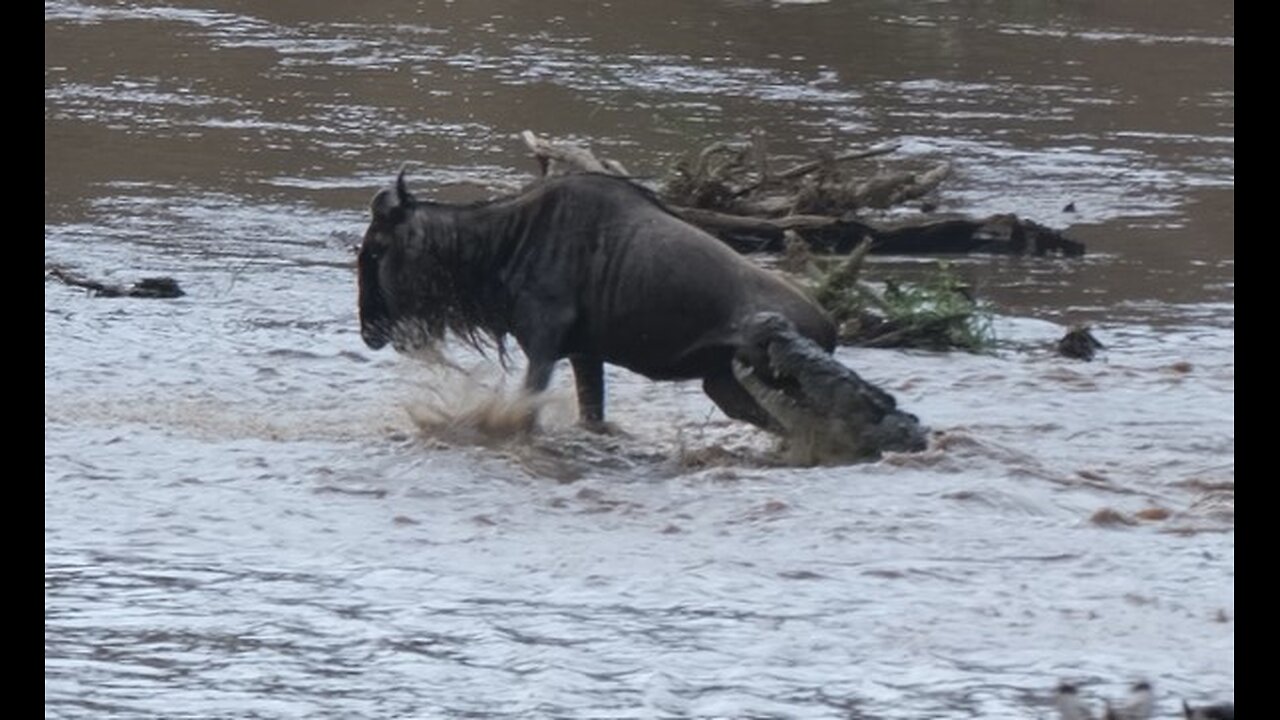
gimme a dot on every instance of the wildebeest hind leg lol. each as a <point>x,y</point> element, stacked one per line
<point>729,395</point>
<point>588,375</point>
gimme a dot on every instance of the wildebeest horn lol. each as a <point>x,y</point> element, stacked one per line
<point>389,206</point>
<point>402,189</point>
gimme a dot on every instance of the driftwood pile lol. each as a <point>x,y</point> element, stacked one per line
<point>731,191</point>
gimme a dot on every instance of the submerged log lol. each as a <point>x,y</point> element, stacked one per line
<point>998,235</point>
<point>995,235</point>
<point>152,287</point>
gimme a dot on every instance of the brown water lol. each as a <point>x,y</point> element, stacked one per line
<point>244,519</point>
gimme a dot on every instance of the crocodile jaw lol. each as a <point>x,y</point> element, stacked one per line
<point>820,433</point>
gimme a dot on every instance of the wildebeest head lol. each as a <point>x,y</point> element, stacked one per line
<point>422,271</point>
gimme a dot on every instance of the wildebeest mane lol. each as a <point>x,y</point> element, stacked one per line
<point>451,275</point>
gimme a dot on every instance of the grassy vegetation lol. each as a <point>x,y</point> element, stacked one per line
<point>939,313</point>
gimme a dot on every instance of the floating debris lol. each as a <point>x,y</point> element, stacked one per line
<point>1079,343</point>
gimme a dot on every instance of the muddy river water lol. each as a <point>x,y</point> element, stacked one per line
<point>250,514</point>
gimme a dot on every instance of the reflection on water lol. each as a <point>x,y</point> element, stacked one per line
<point>243,519</point>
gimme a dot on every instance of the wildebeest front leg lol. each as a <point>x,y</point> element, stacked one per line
<point>540,327</point>
<point>536,379</point>
<point>538,376</point>
<point>729,395</point>
<point>588,375</point>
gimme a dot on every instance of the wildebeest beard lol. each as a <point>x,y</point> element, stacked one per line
<point>426,278</point>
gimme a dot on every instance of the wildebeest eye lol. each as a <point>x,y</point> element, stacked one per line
<point>373,247</point>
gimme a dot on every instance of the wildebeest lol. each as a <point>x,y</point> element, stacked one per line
<point>588,267</point>
<point>595,269</point>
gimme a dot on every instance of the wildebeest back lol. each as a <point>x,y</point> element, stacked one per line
<point>650,292</point>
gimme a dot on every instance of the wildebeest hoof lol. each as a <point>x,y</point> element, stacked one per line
<point>601,427</point>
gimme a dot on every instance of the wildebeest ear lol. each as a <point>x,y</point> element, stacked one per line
<point>385,206</point>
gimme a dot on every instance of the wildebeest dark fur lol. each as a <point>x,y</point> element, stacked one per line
<point>587,267</point>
